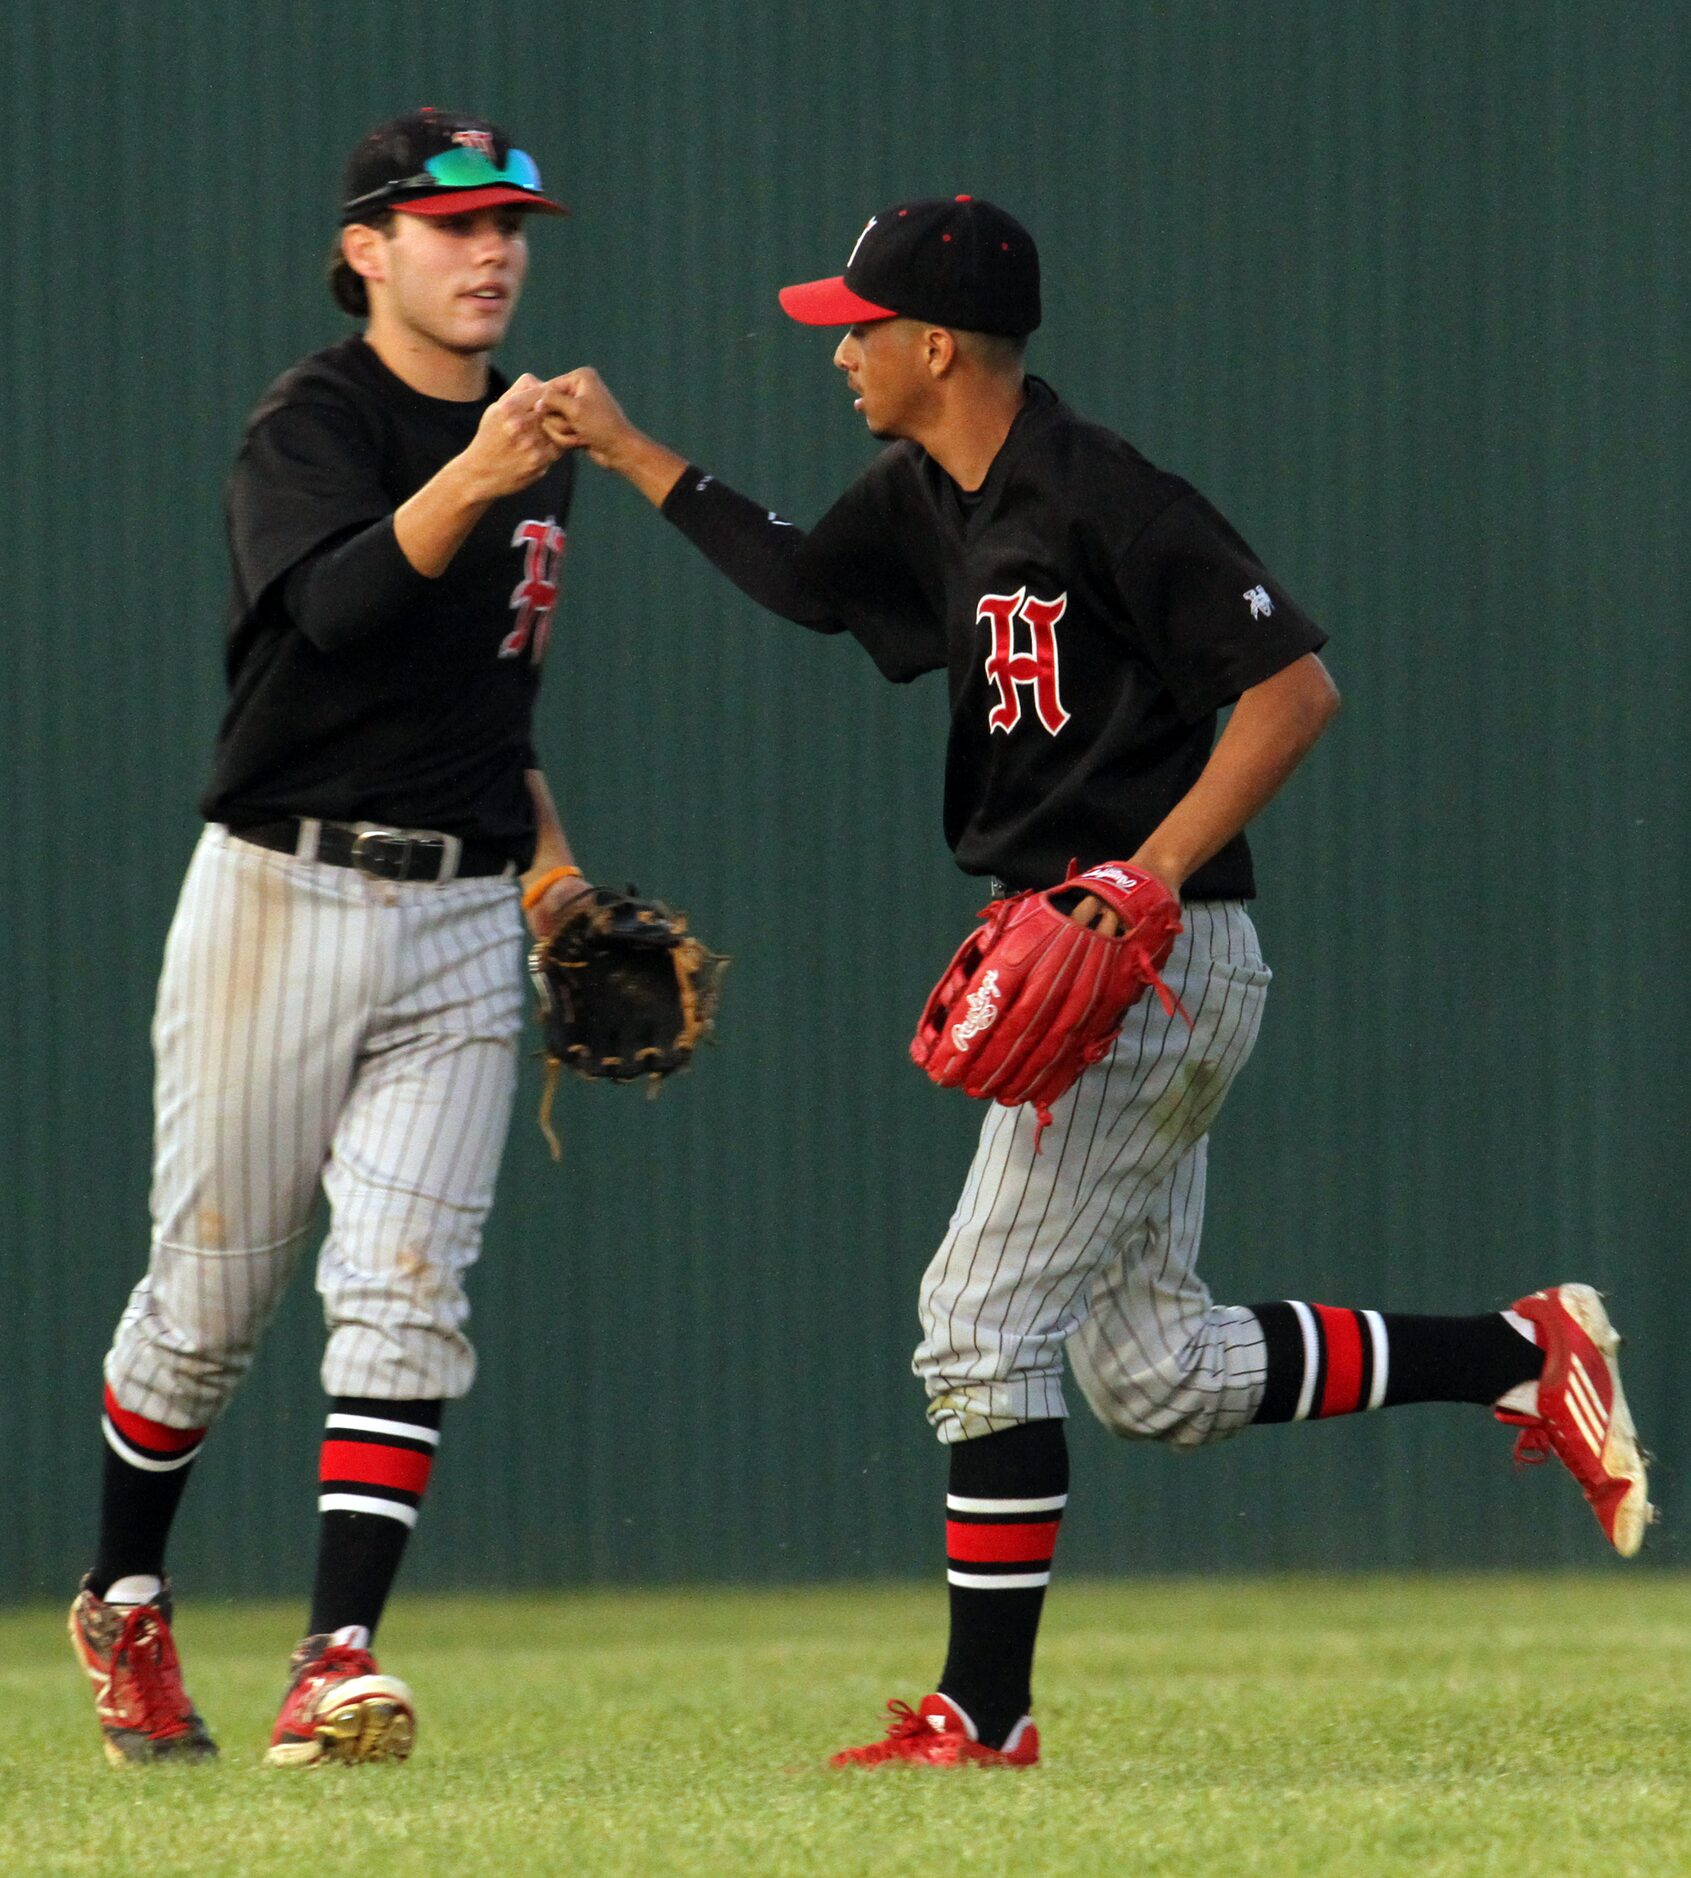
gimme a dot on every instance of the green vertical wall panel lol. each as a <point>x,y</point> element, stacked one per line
<point>1401,283</point>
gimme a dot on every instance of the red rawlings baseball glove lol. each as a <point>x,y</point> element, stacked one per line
<point>1032,998</point>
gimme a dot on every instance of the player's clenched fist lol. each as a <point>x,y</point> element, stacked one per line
<point>510,449</point>
<point>579,413</point>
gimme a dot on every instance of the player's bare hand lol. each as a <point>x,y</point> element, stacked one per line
<point>578,412</point>
<point>510,449</point>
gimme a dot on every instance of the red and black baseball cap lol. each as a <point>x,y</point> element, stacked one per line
<point>431,162</point>
<point>957,261</point>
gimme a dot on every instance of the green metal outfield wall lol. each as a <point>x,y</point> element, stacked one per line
<point>1401,283</point>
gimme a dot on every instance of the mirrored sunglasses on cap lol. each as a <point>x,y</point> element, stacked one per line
<point>515,181</point>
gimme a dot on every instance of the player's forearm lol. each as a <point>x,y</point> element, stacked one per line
<point>553,882</point>
<point>551,845</point>
<point>509,451</point>
<point>434,524</point>
<point>1272,728</point>
<point>652,467</point>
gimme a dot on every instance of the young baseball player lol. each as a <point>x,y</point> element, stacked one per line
<point>1094,615</point>
<point>342,984</point>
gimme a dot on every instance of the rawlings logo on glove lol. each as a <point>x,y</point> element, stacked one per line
<point>1121,877</point>
<point>1047,994</point>
<point>983,1012</point>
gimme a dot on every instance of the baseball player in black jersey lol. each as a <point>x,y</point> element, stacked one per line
<point>1093,615</point>
<point>342,986</point>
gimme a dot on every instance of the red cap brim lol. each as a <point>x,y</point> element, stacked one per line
<point>830,303</point>
<point>467,201</point>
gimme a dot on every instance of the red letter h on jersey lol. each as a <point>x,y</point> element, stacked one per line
<point>1009,669</point>
<point>536,593</point>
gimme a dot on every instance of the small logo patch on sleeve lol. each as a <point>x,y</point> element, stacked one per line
<point>1259,602</point>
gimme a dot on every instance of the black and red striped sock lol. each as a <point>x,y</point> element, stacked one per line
<point>146,1469</point>
<point>1003,1506</point>
<point>373,1473</point>
<point>1326,1360</point>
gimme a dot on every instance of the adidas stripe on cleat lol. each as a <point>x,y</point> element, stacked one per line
<point>1578,1412</point>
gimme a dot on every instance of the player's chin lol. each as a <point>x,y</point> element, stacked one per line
<point>476,328</point>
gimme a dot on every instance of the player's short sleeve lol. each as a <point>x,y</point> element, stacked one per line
<point>306,475</point>
<point>857,555</point>
<point>1209,616</point>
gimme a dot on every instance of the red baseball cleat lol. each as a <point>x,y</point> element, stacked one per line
<point>339,1707</point>
<point>130,1658</point>
<point>939,1734</point>
<point>1580,1413</point>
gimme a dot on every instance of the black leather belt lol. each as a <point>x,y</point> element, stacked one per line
<point>374,849</point>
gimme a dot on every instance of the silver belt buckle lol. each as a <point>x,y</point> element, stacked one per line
<point>386,853</point>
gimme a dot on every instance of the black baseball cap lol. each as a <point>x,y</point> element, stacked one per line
<point>955,260</point>
<point>431,162</point>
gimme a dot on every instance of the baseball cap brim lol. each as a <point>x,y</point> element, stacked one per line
<point>830,303</point>
<point>467,201</point>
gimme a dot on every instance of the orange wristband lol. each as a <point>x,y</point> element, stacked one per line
<point>535,893</point>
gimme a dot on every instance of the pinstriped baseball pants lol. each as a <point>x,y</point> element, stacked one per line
<point>318,1028</point>
<point>1091,1245</point>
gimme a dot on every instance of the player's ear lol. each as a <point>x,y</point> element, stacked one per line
<point>940,351</point>
<point>364,251</point>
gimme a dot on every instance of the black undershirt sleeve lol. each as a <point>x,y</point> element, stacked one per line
<point>354,588</point>
<point>311,524</point>
<point>758,551</point>
<point>848,574</point>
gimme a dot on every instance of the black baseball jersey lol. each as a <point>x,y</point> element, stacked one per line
<point>361,690</point>
<point>1093,614</point>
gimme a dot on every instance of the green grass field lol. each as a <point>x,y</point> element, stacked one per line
<point>1518,1726</point>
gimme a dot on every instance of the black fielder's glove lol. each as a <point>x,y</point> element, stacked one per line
<point>626,993</point>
